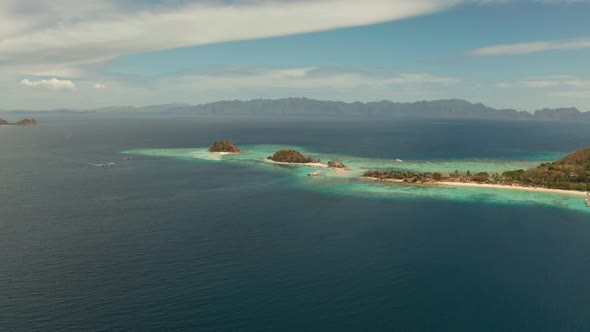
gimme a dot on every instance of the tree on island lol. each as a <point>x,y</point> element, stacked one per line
<point>569,173</point>
<point>291,156</point>
<point>481,177</point>
<point>336,164</point>
<point>224,146</point>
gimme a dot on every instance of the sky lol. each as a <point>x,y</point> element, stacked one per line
<point>521,54</point>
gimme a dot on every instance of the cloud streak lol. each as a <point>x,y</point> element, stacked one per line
<point>240,77</point>
<point>53,84</point>
<point>531,47</point>
<point>575,87</point>
<point>548,82</point>
<point>108,31</point>
<point>584,94</point>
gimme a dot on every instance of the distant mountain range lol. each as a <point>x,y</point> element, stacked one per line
<point>442,109</point>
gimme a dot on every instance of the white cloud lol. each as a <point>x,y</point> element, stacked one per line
<point>576,87</point>
<point>75,39</point>
<point>210,84</point>
<point>230,80</point>
<point>49,85</point>
<point>291,72</point>
<point>532,47</point>
<point>99,86</point>
<point>421,79</point>
<point>547,82</point>
<point>583,94</point>
<point>82,34</point>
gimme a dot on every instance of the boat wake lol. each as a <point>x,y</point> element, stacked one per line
<point>93,164</point>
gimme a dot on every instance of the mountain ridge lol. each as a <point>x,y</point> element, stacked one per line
<point>443,109</point>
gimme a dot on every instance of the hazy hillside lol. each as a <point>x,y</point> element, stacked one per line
<point>453,108</point>
<point>444,109</point>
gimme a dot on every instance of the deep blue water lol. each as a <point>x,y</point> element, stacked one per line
<point>171,245</point>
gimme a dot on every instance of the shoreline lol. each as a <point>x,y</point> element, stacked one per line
<point>339,170</point>
<point>320,165</point>
<point>221,153</point>
<point>486,185</point>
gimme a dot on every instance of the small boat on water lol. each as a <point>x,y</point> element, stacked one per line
<point>111,164</point>
<point>126,158</point>
<point>316,173</point>
<point>587,199</point>
<point>399,161</point>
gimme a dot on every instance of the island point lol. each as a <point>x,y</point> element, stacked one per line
<point>224,147</point>
<point>570,175</point>
<point>24,122</point>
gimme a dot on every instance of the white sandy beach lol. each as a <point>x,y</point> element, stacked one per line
<point>500,186</point>
<point>321,165</point>
<point>487,185</point>
<point>226,153</point>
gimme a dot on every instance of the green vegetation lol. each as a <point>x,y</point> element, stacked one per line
<point>291,156</point>
<point>336,164</point>
<point>481,177</point>
<point>224,146</point>
<point>569,173</point>
<point>408,176</point>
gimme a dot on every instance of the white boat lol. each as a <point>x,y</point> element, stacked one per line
<point>111,164</point>
<point>316,173</point>
<point>399,161</point>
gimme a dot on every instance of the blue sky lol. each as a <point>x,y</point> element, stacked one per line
<point>525,54</point>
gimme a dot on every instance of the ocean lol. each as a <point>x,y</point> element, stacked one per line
<point>174,240</point>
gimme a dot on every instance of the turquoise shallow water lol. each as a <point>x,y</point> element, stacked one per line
<point>349,183</point>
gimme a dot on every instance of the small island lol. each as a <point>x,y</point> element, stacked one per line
<point>295,158</point>
<point>336,164</point>
<point>570,174</point>
<point>292,157</point>
<point>24,122</point>
<point>224,147</point>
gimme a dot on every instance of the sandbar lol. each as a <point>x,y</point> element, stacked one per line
<point>321,165</point>
<point>225,153</point>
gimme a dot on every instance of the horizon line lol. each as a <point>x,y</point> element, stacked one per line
<point>179,105</point>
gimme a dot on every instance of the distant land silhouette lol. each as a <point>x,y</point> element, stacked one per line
<point>438,109</point>
<point>24,122</point>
